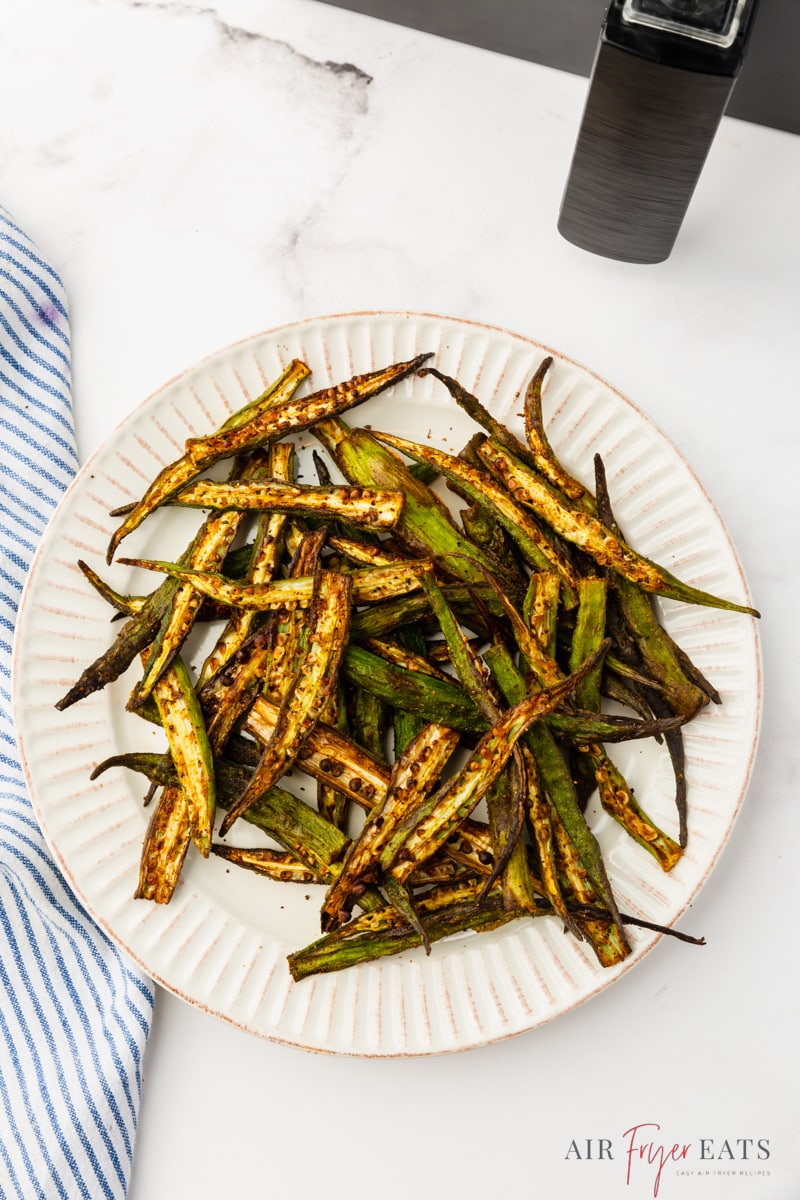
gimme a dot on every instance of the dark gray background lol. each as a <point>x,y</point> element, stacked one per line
<point>563,33</point>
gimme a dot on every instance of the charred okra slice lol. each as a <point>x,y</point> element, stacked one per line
<point>536,546</point>
<point>178,473</point>
<point>182,719</point>
<point>164,849</point>
<point>314,682</point>
<point>360,506</point>
<point>414,774</point>
<point>463,792</point>
<point>584,530</point>
<point>297,414</point>
<point>426,528</point>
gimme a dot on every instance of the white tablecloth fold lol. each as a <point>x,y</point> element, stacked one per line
<point>74,1012</point>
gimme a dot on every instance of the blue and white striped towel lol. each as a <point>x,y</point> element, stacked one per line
<point>74,1013</point>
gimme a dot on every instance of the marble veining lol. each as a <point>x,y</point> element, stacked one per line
<point>239,35</point>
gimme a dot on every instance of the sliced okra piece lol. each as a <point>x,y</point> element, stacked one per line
<point>537,547</point>
<point>556,779</point>
<point>544,459</point>
<point>618,800</point>
<point>426,528</point>
<point>399,656</point>
<point>365,554</point>
<point>586,531</point>
<point>413,775</point>
<point>362,506</point>
<point>289,632</point>
<point>274,864</point>
<point>177,474</point>
<point>297,414</point>
<point>182,719</point>
<point>431,698</point>
<point>164,849</point>
<point>264,562</point>
<point>606,936</point>
<point>334,952</point>
<point>459,796</point>
<point>314,681</point>
<point>206,553</point>
<point>371,585</point>
<point>227,696</point>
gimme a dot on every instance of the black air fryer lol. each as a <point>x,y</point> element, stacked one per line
<point>662,77</point>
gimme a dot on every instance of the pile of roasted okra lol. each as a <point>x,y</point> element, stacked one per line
<point>438,669</point>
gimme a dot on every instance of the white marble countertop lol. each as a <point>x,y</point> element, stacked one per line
<point>200,172</point>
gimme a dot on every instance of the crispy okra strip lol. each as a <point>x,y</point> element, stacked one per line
<point>327,755</point>
<point>206,553</point>
<point>334,952</point>
<point>289,630</point>
<point>506,798</point>
<point>536,546</point>
<point>581,727</point>
<point>555,778</point>
<point>584,530</point>
<point>431,698</point>
<point>274,864</point>
<point>164,849</point>
<point>371,585</point>
<point>401,657</point>
<point>590,629</point>
<point>619,802</point>
<point>545,460</point>
<point>481,415</point>
<point>127,606</point>
<point>227,696</point>
<point>134,637</point>
<point>414,774</point>
<point>540,610</point>
<point>459,796</point>
<point>266,554</point>
<point>541,821</point>
<point>426,528</point>
<point>362,506</point>
<point>606,934</point>
<point>297,414</point>
<point>314,681</point>
<point>368,716</point>
<point>365,554</point>
<point>174,476</point>
<point>182,719</point>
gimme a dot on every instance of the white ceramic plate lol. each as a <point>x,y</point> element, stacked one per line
<point>222,941</point>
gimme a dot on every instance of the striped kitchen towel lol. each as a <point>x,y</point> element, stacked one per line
<point>74,1012</point>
